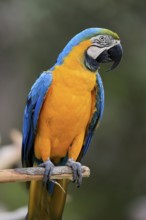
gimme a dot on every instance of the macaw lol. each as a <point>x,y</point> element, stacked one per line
<point>63,108</point>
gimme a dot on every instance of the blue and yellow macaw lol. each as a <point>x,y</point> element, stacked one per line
<point>63,108</point>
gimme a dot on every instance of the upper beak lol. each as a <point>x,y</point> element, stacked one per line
<point>115,54</point>
<point>112,54</point>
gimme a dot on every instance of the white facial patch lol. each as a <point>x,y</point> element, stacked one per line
<point>94,51</point>
<point>98,47</point>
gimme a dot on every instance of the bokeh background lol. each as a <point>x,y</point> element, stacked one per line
<point>32,34</point>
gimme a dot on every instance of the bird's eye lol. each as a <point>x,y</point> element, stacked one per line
<point>101,38</point>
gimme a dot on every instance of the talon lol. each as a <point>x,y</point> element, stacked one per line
<point>49,166</point>
<point>77,171</point>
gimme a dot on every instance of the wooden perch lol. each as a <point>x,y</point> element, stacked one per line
<point>36,173</point>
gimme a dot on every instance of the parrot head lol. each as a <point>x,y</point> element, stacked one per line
<point>105,47</point>
<point>100,46</point>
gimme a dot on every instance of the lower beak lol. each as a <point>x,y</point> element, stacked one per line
<point>114,54</point>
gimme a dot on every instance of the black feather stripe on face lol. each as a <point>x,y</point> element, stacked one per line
<point>91,63</point>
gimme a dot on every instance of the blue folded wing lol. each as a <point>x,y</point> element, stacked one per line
<point>96,118</point>
<point>31,114</point>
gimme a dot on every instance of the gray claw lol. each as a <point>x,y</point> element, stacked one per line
<point>77,171</point>
<point>49,166</point>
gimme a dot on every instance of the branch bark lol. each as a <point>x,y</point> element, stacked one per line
<point>36,173</point>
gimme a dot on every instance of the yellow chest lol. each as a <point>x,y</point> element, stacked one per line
<point>67,108</point>
<point>68,102</point>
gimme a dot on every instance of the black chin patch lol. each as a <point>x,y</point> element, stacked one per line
<point>91,63</point>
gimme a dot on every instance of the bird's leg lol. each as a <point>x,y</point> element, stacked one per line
<point>49,166</point>
<point>42,150</point>
<point>73,154</point>
<point>77,172</point>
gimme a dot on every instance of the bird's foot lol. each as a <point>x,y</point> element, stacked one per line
<point>77,171</point>
<point>49,166</point>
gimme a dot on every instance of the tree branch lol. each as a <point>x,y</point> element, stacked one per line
<point>36,173</point>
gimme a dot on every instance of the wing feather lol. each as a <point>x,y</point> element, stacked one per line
<point>96,117</point>
<point>31,114</point>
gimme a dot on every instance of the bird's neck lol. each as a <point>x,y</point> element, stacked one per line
<point>73,73</point>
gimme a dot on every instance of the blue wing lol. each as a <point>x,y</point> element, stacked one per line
<point>31,114</point>
<point>96,118</point>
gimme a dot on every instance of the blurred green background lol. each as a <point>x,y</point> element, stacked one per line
<point>32,34</point>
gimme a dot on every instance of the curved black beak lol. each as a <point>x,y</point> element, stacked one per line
<point>113,54</point>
